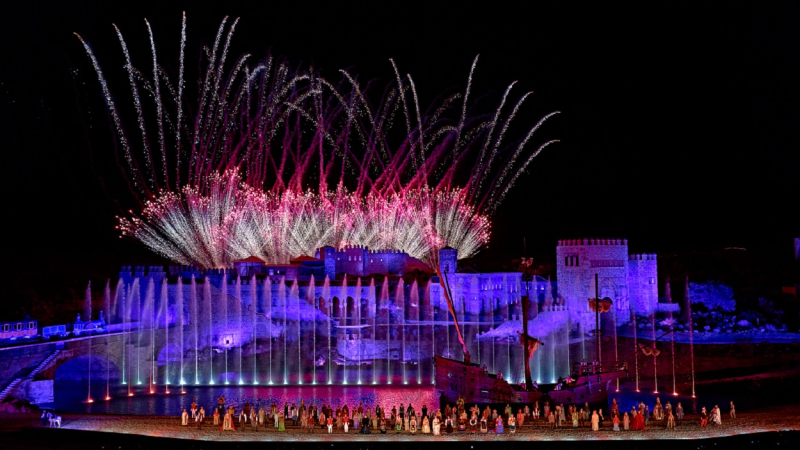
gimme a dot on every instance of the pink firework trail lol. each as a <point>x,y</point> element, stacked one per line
<point>278,161</point>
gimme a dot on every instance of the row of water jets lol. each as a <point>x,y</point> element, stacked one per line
<point>143,321</point>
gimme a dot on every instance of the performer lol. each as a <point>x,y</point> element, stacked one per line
<point>638,421</point>
<point>426,425</point>
<point>551,418</point>
<point>520,418</point>
<point>658,411</point>
<point>412,424</point>
<point>670,420</point>
<point>383,424</point>
<point>281,422</point>
<point>473,423</point>
<point>595,421</point>
<point>216,417</point>
<point>346,423</point>
<point>436,426</point>
<point>512,425</point>
<point>365,421</point>
<point>200,415</point>
<point>498,427</point>
<point>703,417</point>
<point>536,411</point>
<point>626,422</point>
<point>194,408</point>
<point>448,425</point>
<point>679,412</point>
<point>227,422</point>
<point>184,418</point>
<point>733,410</point>
<point>575,418</point>
<point>398,424</point>
<point>462,424</point>
<point>484,424</point>
<point>330,424</point>
<point>717,415</point>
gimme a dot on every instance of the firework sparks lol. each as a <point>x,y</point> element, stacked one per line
<point>277,162</point>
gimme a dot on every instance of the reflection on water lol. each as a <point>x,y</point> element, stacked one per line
<point>71,396</point>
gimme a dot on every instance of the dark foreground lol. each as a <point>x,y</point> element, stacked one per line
<point>777,427</point>
<point>37,439</point>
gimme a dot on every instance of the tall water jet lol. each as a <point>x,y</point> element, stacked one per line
<point>268,303</point>
<point>179,325</point>
<point>254,325</point>
<point>428,313</point>
<point>107,308</point>
<point>357,308</point>
<point>133,300</point>
<point>399,309</point>
<point>655,359</point>
<point>326,297</point>
<point>195,319</point>
<point>670,320</point>
<point>635,345</point>
<point>87,317</point>
<point>208,310</point>
<point>237,308</point>
<point>384,307</point>
<point>282,303</point>
<point>225,339</point>
<point>146,321</point>
<point>341,314</point>
<point>294,293</point>
<point>143,322</point>
<point>616,341</point>
<point>413,301</point>
<point>371,312</point>
<point>311,297</point>
<point>154,316</point>
<point>690,323</point>
<point>163,302</point>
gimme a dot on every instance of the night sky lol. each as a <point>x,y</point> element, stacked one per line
<point>679,123</point>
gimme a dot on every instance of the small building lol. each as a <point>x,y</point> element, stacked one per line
<point>252,265</point>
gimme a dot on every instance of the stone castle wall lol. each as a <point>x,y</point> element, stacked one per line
<point>622,277</point>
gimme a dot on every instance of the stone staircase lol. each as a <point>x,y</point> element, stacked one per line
<point>42,366</point>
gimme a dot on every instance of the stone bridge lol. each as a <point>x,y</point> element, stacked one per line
<point>29,371</point>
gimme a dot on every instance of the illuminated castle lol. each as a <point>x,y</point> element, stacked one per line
<point>344,308</point>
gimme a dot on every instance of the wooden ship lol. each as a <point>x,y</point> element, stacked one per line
<point>456,380</point>
<point>463,381</point>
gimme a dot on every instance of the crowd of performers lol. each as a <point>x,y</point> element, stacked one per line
<point>450,419</point>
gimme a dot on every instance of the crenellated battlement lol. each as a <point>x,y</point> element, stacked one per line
<point>592,241</point>
<point>385,252</point>
<point>643,257</point>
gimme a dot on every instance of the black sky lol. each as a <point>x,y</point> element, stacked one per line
<point>679,122</point>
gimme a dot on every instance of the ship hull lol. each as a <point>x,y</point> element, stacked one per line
<point>458,380</point>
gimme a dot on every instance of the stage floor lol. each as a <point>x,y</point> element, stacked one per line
<point>764,420</point>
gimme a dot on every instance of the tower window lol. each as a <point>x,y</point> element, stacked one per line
<point>652,280</point>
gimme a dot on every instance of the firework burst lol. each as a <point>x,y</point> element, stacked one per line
<point>276,162</point>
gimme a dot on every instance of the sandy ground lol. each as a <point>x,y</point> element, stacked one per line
<point>783,418</point>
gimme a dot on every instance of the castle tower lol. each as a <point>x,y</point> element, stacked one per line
<point>328,255</point>
<point>643,278</point>
<point>578,260</point>
<point>448,260</point>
